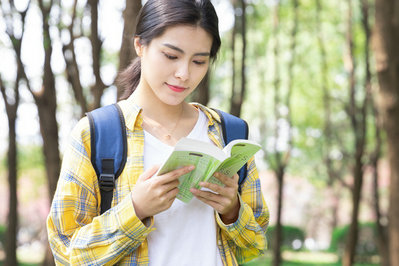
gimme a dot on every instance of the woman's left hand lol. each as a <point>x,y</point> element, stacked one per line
<point>223,199</point>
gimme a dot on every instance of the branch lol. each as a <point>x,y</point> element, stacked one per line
<point>16,42</point>
<point>96,44</point>
<point>72,68</point>
<point>3,92</point>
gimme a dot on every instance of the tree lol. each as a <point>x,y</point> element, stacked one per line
<point>87,98</point>
<point>46,102</point>
<point>201,93</point>
<point>11,101</point>
<point>280,159</point>
<point>386,41</point>
<point>12,225</point>
<point>382,239</point>
<point>127,53</point>
<point>333,171</point>
<point>357,113</point>
<point>238,93</point>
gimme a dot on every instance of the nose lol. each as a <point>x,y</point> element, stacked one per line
<point>183,72</point>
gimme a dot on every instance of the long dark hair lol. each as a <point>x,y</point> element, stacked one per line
<point>155,17</point>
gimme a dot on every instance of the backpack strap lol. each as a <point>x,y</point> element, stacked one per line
<point>234,128</point>
<point>108,148</point>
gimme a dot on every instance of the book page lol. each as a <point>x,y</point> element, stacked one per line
<point>205,165</point>
<point>240,153</point>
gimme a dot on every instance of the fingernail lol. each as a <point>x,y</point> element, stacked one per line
<point>191,167</point>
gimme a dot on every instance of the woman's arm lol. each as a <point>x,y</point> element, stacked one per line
<point>243,219</point>
<point>247,235</point>
<point>76,233</point>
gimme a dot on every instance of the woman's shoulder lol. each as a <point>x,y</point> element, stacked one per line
<point>82,128</point>
<point>211,113</point>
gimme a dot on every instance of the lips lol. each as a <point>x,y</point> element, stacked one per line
<point>176,88</point>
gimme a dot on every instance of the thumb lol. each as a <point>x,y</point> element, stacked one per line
<point>149,173</point>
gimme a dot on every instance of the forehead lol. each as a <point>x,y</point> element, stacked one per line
<point>191,39</point>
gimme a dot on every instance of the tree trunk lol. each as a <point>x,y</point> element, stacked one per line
<point>97,89</point>
<point>332,173</point>
<point>350,248</point>
<point>278,170</point>
<point>233,57</point>
<point>351,241</point>
<point>11,106</point>
<point>127,53</point>
<point>358,116</point>
<point>278,233</point>
<point>201,94</point>
<point>382,238</point>
<point>237,96</point>
<point>46,103</point>
<point>12,221</point>
<point>386,42</point>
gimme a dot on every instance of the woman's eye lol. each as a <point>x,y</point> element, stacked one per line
<point>199,62</point>
<point>171,57</point>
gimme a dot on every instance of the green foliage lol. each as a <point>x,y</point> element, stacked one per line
<point>2,234</point>
<point>30,157</point>
<point>292,237</point>
<point>366,244</point>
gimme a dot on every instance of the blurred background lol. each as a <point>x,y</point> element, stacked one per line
<point>317,81</point>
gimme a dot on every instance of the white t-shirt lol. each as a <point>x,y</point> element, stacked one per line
<point>185,233</point>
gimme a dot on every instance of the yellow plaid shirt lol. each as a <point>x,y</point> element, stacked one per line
<point>79,235</point>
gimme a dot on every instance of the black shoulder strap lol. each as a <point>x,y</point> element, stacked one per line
<point>234,128</point>
<point>108,149</point>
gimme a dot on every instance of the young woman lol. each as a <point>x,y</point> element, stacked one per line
<point>175,41</point>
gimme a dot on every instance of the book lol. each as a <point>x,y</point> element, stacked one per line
<point>207,159</point>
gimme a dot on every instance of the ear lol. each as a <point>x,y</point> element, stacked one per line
<point>138,46</point>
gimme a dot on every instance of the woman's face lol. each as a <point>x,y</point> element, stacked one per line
<point>173,64</point>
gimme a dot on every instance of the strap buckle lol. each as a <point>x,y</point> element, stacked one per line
<point>107,182</point>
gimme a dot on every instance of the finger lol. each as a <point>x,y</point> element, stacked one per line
<point>214,187</point>
<point>171,185</point>
<point>175,174</point>
<point>216,205</point>
<point>171,195</point>
<point>149,173</point>
<point>207,195</point>
<point>228,181</point>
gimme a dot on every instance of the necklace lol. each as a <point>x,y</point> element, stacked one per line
<point>161,130</point>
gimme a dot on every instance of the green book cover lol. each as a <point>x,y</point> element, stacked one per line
<point>207,159</point>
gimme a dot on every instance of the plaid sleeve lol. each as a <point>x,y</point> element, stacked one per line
<point>247,236</point>
<point>76,233</point>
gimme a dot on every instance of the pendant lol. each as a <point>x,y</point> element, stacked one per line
<point>168,137</point>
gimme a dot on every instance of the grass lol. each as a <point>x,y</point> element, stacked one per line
<point>290,258</point>
<point>305,258</point>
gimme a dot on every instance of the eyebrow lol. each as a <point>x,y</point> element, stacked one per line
<point>181,51</point>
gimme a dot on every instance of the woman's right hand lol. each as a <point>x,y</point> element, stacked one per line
<point>154,194</point>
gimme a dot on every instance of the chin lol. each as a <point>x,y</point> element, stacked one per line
<point>173,101</point>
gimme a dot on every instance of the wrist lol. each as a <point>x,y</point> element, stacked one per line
<point>138,211</point>
<point>232,215</point>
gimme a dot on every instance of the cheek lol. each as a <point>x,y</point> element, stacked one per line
<point>200,74</point>
<point>154,70</point>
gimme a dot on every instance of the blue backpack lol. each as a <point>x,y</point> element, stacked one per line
<point>109,146</point>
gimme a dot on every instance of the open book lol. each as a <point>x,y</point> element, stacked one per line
<point>207,159</point>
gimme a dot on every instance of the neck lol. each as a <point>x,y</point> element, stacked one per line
<point>155,109</point>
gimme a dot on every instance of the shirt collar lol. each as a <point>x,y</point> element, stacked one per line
<point>210,113</point>
<point>132,113</point>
